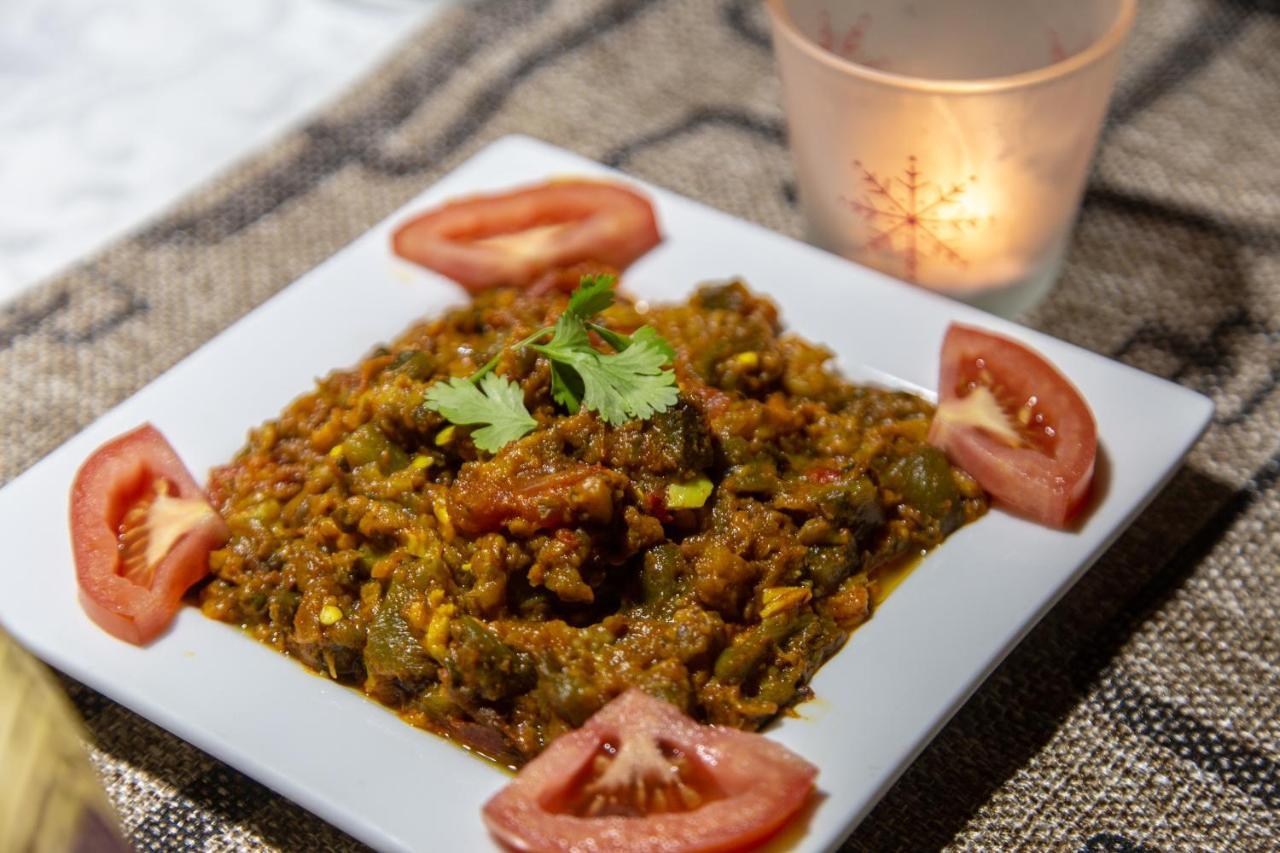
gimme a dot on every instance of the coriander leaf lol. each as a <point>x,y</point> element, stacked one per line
<point>624,385</point>
<point>648,334</point>
<point>494,401</point>
<point>569,333</point>
<point>617,340</point>
<point>569,336</point>
<point>593,294</point>
<point>620,341</point>
<point>566,387</point>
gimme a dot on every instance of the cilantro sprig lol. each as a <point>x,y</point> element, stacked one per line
<point>494,402</point>
<point>633,381</point>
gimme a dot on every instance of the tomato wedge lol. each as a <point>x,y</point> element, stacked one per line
<point>141,533</point>
<point>516,237</point>
<point>1013,421</point>
<point>641,776</point>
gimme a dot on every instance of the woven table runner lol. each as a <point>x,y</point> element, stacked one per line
<point>1142,714</point>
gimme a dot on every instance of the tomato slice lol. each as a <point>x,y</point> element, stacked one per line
<point>640,775</point>
<point>1013,421</point>
<point>514,238</point>
<point>141,533</point>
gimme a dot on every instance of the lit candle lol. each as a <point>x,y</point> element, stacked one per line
<point>963,184</point>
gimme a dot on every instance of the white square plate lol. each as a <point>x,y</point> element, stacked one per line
<point>880,699</point>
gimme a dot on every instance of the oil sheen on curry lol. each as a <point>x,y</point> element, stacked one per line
<point>714,555</point>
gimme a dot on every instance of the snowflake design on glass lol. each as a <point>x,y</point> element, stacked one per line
<point>915,218</point>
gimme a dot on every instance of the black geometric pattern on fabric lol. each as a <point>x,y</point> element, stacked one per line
<point>330,146</point>
<point>766,128</point>
<point>738,14</point>
<point>1215,28</point>
<point>1242,232</point>
<point>128,305</point>
<point>1206,361</point>
<point>1111,842</point>
<point>1265,7</point>
<point>486,104</point>
<point>1170,574</point>
<point>19,320</point>
<point>1250,770</point>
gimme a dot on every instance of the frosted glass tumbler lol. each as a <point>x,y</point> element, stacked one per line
<point>947,142</point>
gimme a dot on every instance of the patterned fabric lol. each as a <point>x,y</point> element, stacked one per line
<point>1143,713</point>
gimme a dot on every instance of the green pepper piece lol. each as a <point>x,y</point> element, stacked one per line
<point>481,663</point>
<point>392,649</point>
<point>854,504</point>
<point>368,444</point>
<point>414,363</point>
<point>660,576</point>
<point>748,650</point>
<point>925,481</point>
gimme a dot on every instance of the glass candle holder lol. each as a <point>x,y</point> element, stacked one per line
<point>947,142</point>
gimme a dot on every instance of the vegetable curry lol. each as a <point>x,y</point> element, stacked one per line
<point>714,553</point>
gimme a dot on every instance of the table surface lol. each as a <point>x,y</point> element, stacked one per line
<point>110,110</point>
